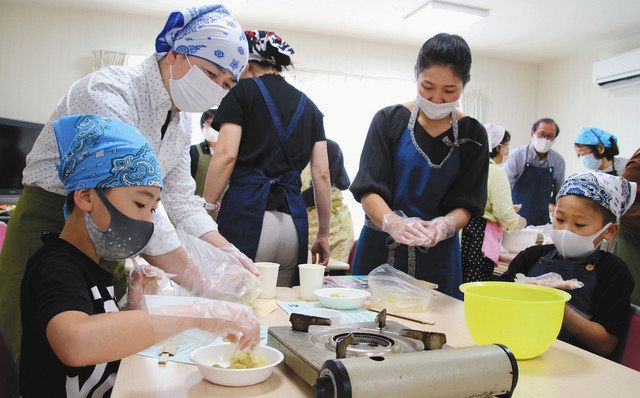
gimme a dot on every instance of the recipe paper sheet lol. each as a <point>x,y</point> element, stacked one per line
<point>348,316</point>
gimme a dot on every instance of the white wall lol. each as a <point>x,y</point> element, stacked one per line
<point>46,49</point>
<point>568,95</point>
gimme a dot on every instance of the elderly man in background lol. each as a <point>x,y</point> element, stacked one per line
<point>536,172</point>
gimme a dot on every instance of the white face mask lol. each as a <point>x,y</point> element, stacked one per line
<point>195,92</point>
<point>435,111</point>
<point>210,134</point>
<point>572,245</point>
<point>590,162</point>
<point>542,145</point>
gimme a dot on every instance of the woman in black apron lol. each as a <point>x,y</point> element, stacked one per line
<point>423,173</point>
<point>269,131</point>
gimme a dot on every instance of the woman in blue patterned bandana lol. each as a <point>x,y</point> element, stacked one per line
<point>74,332</point>
<point>588,211</point>
<point>200,54</point>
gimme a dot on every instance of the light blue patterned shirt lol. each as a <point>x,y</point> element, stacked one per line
<point>518,158</point>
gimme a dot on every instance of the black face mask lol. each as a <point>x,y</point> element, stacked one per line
<point>124,236</point>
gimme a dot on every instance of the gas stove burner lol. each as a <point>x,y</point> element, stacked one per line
<point>367,341</point>
<point>364,344</point>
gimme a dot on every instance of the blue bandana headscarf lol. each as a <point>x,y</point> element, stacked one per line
<point>207,32</point>
<point>613,193</point>
<point>98,152</point>
<point>595,136</point>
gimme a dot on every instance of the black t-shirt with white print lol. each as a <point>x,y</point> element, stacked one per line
<point>60,278</point>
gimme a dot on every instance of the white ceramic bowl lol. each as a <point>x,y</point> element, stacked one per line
<point>205,357</point>
<point>341,298</point>
<point>519,240</point>
<point>334,316</point>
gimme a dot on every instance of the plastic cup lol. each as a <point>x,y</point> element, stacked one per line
<point>268,279</point>
<point>311,276</point>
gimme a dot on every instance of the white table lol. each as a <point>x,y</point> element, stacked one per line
<point>562,371</point>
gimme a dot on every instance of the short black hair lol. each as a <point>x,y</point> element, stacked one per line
<point>69,203</point>
<point>545,120</point>
<point>447,50</point>
<point>505,139</point>
<point>208,114</point>
<point>609,152</point>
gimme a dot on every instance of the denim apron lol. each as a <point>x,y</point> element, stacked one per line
<point>420,187</point>
<point>581,298</point>
<point>533,190</point>
<point>244,203</point>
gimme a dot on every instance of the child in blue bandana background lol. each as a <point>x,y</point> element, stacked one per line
<point>588,211</point>
<point>74,333</point>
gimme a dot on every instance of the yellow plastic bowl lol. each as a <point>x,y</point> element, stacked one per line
<point>525,318</point>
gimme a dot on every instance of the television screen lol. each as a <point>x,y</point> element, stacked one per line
<point>16,140</point>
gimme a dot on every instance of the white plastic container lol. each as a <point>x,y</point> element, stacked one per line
<point>205,357</point>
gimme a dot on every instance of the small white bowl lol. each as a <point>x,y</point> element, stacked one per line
<point>334,316</point>
<point>205,357</point>
<point>342,298</point>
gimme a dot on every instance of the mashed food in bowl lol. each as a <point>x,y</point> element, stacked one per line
<point>243,360</point>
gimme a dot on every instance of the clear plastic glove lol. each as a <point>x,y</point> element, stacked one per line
<point>244,260</point>
<point>320,251</point>
<point>213,273</point>
<point>550,279</point>
<point>517,207</point>
<point>522,222</point>
<point>143,279</point>
<point>409,231</point>
<point>235,322</point>
<point>439,229</point>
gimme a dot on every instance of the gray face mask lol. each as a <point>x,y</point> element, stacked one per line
<point>124,236</point>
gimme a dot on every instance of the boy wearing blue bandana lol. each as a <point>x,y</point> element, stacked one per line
<point>588,211</point>
<point>74,333</point>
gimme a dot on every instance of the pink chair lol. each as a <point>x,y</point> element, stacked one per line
<point>631,352</point>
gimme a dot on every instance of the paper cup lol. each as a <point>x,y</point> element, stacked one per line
<point>311,276</point>
<point>268,279</point>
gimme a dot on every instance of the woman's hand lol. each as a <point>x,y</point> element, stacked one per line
<point>320,251</point>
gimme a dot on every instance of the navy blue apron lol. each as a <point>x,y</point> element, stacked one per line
<point>533,190</point>
<point>419,188</point>
<point>581,298</point>
<point>244,203</point>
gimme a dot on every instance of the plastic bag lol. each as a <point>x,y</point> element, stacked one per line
<point>214,274</point>
<point>550,279</point>
<point>398,292</point>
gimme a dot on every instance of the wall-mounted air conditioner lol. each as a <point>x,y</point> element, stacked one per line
<point>620,70</point>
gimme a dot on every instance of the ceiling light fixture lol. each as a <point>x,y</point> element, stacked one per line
<point>442,16</point>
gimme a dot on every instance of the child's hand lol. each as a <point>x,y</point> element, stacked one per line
<point>139,285</point>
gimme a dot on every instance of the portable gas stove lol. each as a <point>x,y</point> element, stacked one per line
<point>383,359</point>
<point>310,341</point>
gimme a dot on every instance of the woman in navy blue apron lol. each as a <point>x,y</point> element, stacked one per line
<point>269,131</point>
<point>423,173</point>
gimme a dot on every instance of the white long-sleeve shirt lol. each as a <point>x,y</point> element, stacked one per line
<point>134,95</point>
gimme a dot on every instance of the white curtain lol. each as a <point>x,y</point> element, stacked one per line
<point>102,58</point>
<point>473,102</point>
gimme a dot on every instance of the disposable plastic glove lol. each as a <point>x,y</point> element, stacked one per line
<point>409,231</point>
<point>235,322</point>
<point>522,222</point>
<point>244,260</point>
<point>439,229</point>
